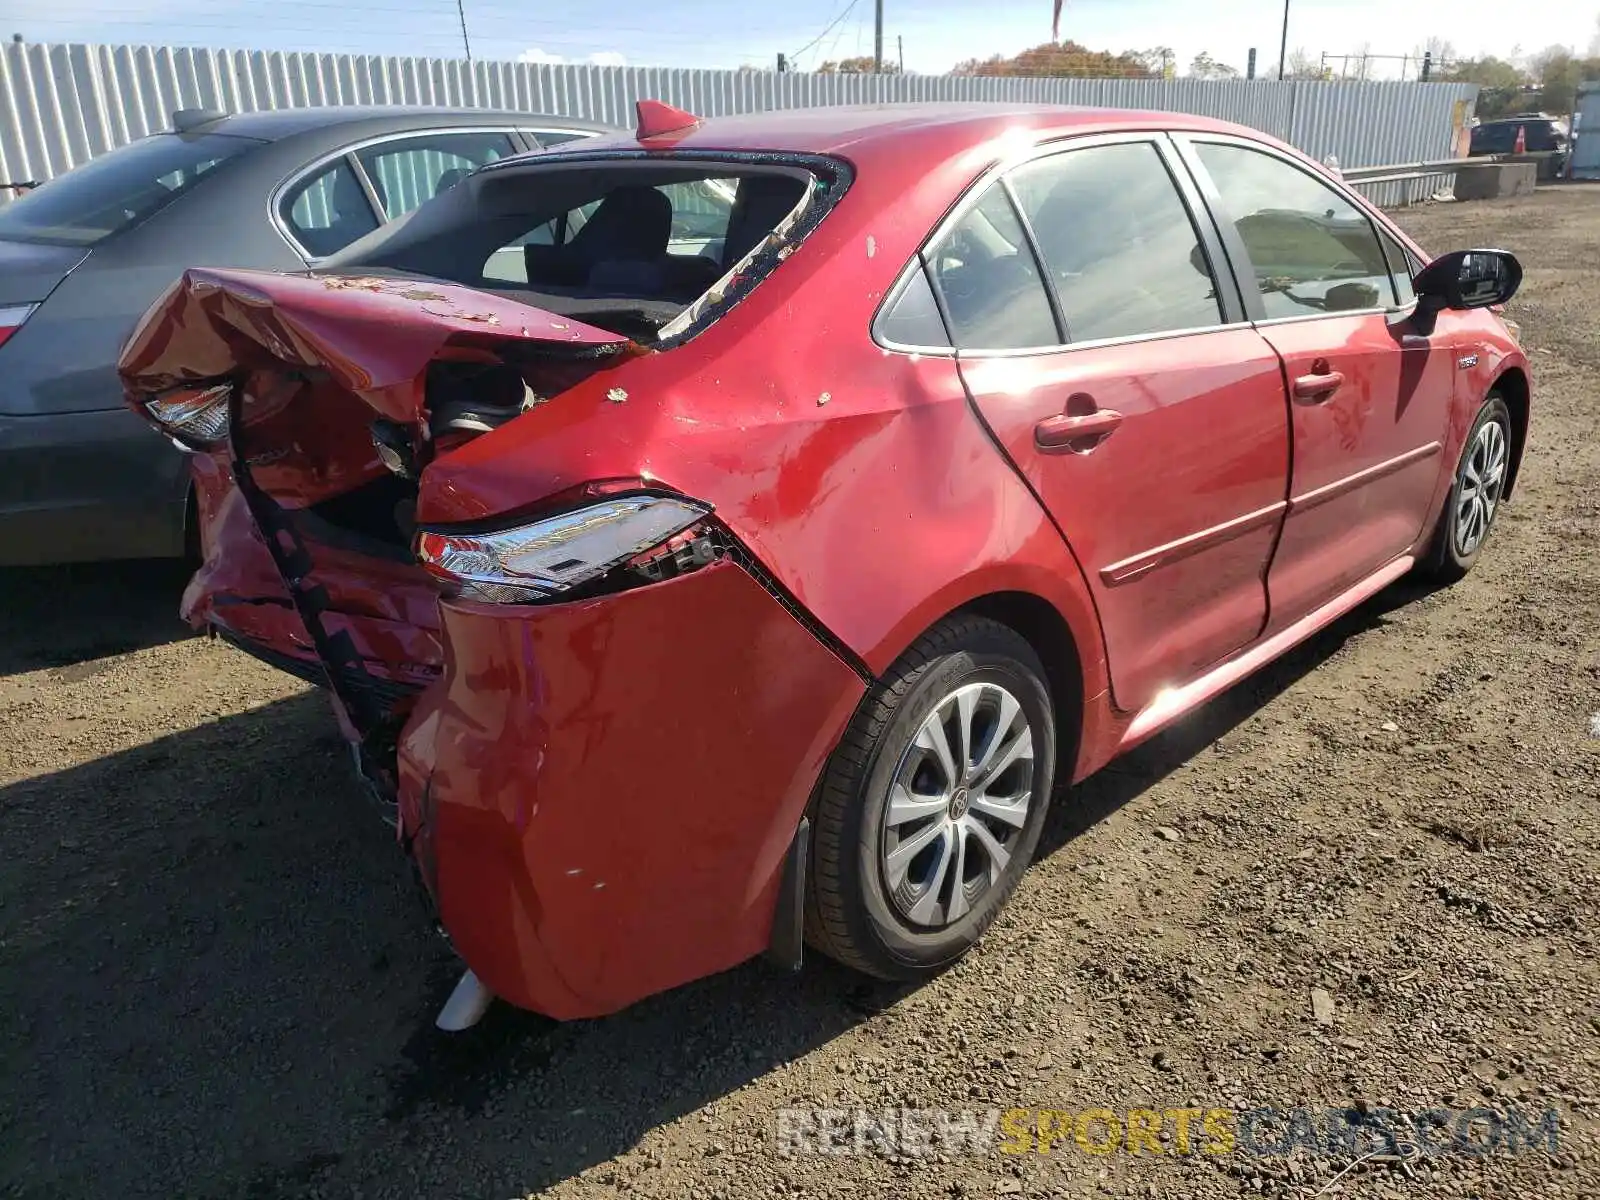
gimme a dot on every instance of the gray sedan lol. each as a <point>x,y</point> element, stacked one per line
<point>83,256</point>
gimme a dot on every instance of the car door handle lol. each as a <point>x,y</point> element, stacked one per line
<point>1319,387</point>
<point>1082,433</point>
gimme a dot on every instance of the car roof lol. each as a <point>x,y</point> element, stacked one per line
<point>276,124</point>
<point>863,132</point>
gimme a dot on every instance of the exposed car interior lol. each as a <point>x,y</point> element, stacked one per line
<point>624,245</point>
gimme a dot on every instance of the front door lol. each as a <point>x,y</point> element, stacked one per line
<point>1369,395</point>
<point>1120,380</point>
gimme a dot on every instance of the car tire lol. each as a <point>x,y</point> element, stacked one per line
<point>1475,495</point>
<point>886,896</point>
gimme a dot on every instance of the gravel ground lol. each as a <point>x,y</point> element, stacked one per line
<point>1368,875</point>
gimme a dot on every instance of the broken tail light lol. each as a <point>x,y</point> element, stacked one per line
<point>194,418</point>
<point>557,555</point>
<point>11,318</point>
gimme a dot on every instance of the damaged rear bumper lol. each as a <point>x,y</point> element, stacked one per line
<point>600,795</point>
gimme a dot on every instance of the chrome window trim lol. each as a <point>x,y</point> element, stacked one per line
<point>1268,322</point>
<point>996,173</point>
<point>577,135</point>
<point>1132,339</point>
<point>348,152</point>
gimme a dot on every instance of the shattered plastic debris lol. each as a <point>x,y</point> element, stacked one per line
<point>1594,725</point>
<point>342,283</point>
<point>872,246</point>
<point>370,283</point>
<point>617,396</point>
<point>824,398</point>
<point>482,318</point>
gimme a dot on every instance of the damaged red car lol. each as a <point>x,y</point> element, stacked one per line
<point>726,537</point>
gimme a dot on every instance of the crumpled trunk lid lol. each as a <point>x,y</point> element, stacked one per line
<point>316,359</point>
<point>340,391</point>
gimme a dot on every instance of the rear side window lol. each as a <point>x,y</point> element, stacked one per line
<point>118,190</point>
<point>986,272</point>
<point>912,317</point>
<point>1118,243</point>
<point>408,171</point>
<point>1312,251</point>
<point>328,210</point>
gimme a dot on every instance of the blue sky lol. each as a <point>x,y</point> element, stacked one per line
<point>728,33</point>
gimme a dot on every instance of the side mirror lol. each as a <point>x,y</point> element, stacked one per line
<point>1468,279</point>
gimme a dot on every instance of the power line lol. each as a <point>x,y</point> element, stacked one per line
<point>848,9</point>
<point>466,42</point>
<point>534,29</point>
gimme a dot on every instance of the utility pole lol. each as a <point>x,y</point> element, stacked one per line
<point>877,39</point>
<point>1283,46</point>
<point>461,12</point>
<point>900,41</point>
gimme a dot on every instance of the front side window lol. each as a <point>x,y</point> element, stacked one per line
<point>986,272</point>
<point>1311,249</point>
<point>118,190</point>
<point>700,214</point>
<point>1117,242</point>
<point>407,172</point>
<point>1402,269</point>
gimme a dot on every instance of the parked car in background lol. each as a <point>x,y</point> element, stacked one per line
<point>1542,134</point>
<point>82,256</point>
<point>684,585</point>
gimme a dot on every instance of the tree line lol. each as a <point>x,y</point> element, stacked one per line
<point>1547,81</point>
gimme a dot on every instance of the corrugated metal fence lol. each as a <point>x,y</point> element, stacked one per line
<point>62,104</point>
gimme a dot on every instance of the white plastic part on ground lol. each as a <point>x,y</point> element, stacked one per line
<point>466,1005</point>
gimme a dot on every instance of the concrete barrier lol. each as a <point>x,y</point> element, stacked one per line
<point>1502,179</point>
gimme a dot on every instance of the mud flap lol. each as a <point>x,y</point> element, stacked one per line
<point>787,947</point>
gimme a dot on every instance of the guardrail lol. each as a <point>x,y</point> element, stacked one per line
<point>1442,166</point>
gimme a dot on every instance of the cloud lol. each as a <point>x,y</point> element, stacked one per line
<point>600,58</point>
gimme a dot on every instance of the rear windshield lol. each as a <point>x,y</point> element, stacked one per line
<point>117,190</point>
<point>626,244</point>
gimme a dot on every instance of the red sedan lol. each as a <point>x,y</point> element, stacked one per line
<point>727,536</point>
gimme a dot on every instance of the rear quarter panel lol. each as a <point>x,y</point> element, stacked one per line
<point>859,477</point>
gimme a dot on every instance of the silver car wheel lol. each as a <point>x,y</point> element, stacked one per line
<point>957,805</point>
<point>1483,475</point>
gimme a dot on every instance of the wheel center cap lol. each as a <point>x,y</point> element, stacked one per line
<point>958,804</point>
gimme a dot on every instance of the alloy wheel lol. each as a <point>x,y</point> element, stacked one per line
<point>1483,476</point>
<point>957,805</point>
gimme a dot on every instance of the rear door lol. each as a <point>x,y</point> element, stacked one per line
<point>1126,386</point>
<point>1370,395</point>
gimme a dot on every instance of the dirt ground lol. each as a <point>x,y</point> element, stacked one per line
<point>215,981</point>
